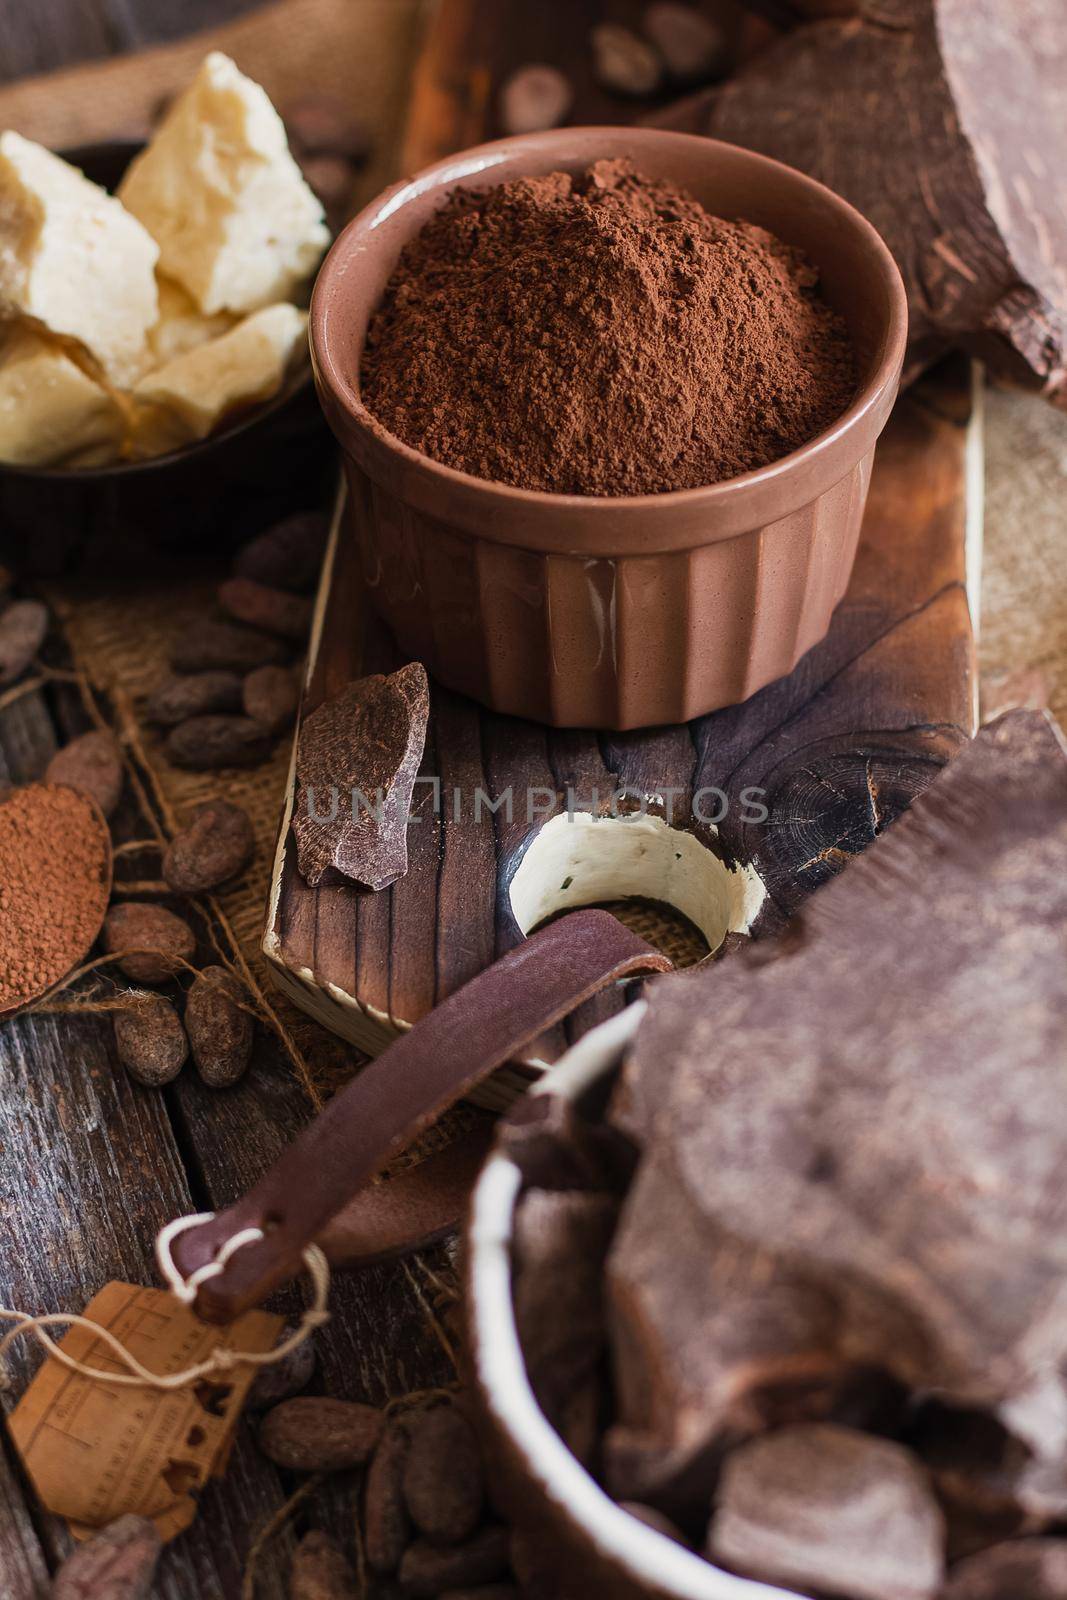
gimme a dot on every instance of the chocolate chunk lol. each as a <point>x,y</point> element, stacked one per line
<point>23,625</point>
<point>217,844</point>
<point>220,1027</point>
<point>444,1488</point>
<point>533,98</point>
<point>205,743</point>
<point>922,1009</point>
<point>118,1563</point>
<point>321,1571</point>
<point>692,46</point>
<point>1022,1569</point>
<point>92,764</point>
<point>179,698</point>
<point>623,63</point>
<point>357,759</point>
<point>208,645</point>
<point>160,944</point>
<point>828,1509</point>
<point>429,1569</point>
<point>385,1517</point>
<point>316,1434</point>
<point>150,1040</point>
<point>272,610</point>
<point>271,697</point>
<point>287,556</point>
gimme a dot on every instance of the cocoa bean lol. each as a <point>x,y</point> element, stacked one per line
<point>204,743</point>
<point>273,610</point>
<point>271,697</point>
<point>287,556</point>
<point>23,625</point>
<point>331,177</point>
<point>150,1039</point>
<point>533,98</point>
<point>210,645</point>
<point>429,1569</point>
<point>322,124</point>
<point>220,1029</point>
<point>691,45</point>
<point>483,1591</point>
<point>316,1434</point>
<point>385,1519</point>
<point>92,764</point>
<point>320,1571</point>
<point>118,1563</point>
<point>654,1519</point>
<point>157,940</point>
<point>623,63</point>
<point>283,1378</point>
<point>444,1486</point>
<point>177,699</point>
<point>216,846</point>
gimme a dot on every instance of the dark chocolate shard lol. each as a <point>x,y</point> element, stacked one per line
<point>357,758</point>
<point>827,1509</point>
<point>872,1124</point>
<point>1021,1569</point>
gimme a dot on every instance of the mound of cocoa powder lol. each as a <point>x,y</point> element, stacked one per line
<point>602,334</point>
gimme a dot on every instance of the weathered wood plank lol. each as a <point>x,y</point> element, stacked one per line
<point>23,1567</point>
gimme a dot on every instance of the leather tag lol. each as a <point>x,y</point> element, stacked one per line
<point>95,1450</point>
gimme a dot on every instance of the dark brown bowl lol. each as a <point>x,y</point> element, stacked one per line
<point>274,460</point>
<point>612,612</point>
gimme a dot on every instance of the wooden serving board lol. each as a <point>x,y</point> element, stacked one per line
<point>838,748</point>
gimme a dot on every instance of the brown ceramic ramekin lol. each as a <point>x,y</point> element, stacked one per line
<point>612,612</point>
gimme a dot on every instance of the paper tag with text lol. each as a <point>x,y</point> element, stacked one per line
<point>95,1450</point>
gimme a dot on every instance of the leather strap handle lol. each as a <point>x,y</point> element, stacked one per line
<point>394,1098</point>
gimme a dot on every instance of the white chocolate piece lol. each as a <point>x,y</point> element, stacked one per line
<point>73,260</point>
<point>236,224</point>
<point>181,326</point>
<point>51,412</point>
<point>193,394</point>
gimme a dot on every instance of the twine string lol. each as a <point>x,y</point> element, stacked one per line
<point>219,1361</point>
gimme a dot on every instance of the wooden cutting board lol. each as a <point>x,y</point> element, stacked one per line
<point>838,749</point>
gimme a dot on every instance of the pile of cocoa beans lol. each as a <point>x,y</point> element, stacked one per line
<point>234,686</point>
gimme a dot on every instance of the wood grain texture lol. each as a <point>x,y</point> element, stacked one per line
<point>836,751</point>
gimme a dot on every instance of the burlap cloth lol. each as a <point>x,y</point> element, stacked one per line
<point>121,624</point>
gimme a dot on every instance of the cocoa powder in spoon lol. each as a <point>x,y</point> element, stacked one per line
<point>602,334</point>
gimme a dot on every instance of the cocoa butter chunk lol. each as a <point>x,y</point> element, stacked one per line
<point>217,844</point>
<point>691,45</point>
<point>534,97</point>
<point>92,764</point>
<point>430,1569</point>
<point>272,610</point>
<point>195,695</point>
<point>1019,1569</point>
<point>203,743</point>
<point>118,1563</point>
<point>804,1184</point>
<point>220,1027</point>
<point>385,1517</point>
<point>158,943</point>
<point>444,1487</point>
<point>624,63</point>
<point>150,1040</point>
<point>321,1570</point>
<point>832,1510</point>
<point>284,1378</point>
<point>287,556</point>
<point>316,1434</point>
<point>209,645</point>
<point>23,625</point>
<point>357,758</point>
<point>271,696</point>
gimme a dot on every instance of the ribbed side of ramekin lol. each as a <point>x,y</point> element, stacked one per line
<point>608,641</point>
